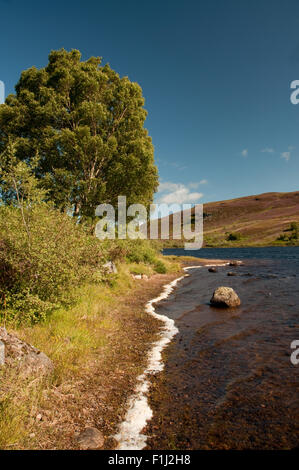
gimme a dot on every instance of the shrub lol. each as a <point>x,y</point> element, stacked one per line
<point>233,237</point>
<point>160,267</point>
<point>293,237</point>
<point>39,276</point>
<point>294,227</point>
<point>133,251</point>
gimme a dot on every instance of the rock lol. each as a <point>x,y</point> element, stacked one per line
<point>225,297</point>
<point>236,263</point>
<point>213,270</point>
<point>29,359</point>
<point>2,353</point>
<point>90,438</point>
<point>110,267</point>
<point>231,273</point>
<point>137,276</point>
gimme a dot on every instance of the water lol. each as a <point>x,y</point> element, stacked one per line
<point>228,381</point>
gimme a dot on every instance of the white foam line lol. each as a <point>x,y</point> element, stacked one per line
<point>130,435</point>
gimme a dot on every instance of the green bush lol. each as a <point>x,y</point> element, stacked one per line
<point>233,237</point>
<point>160,267</point>
<point>133,251</point>
<point>44,271</point>
<point>293,237</point>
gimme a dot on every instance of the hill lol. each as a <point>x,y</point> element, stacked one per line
<point>263,219</point>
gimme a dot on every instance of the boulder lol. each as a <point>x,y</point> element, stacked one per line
<point>110,268</point>
<point>90,438</point>
<point>28,358</point>
<point>213,270</point>
<point>236,263</point>
<point>225,297</point>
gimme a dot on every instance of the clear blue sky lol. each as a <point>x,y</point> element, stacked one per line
<point>215,74</point>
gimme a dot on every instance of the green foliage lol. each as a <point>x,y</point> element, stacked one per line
<point>132,251</point>
<point>293,237</point>
<point>87,125</point>
<point>160,267</point>
<point>44,254</point>
<point>136,268</point>
<point>140,251</point>
<point>283,238</point>
<point>294,228</point>
<point>37,277</point>
<point>233,237</point>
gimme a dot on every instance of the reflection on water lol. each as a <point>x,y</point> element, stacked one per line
<point>228,380</point>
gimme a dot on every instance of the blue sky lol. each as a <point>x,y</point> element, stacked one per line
<point>215,75</point>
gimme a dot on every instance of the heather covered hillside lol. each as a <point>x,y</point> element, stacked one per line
<point>264,219</point>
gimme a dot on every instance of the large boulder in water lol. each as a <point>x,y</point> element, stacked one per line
<point>225,297</point>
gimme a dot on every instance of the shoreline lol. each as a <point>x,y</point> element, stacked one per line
<point>58,410</point>
<point>139,413</point>
<point>99,392</point>
<point>227,372</point>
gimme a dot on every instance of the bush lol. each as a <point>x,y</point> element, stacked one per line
<point>233,237</point>
<point>294,227</point>
<point>132,251</point>
<point>160,267</point>
<point>293,237</point>
<point>39,274</point>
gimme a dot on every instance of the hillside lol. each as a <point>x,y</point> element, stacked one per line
<point>249,221</point>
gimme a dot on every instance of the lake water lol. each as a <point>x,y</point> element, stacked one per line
<point>228,381</point>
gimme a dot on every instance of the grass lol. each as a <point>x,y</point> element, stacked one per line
<point>136,268</point>
<point>18,401</point>
<point>71,336</point>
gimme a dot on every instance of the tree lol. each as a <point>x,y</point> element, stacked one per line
<point>19,186</point>
<point>87,125</point>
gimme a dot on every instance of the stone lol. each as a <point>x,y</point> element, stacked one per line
<point>225,297</point>
<point>90,438</point>
<point>2,353</point>
<point>137,276</point>
<point>231,273</point>
<point>236,263</point>
<point>213,270</point>
<point>29,359</point>
<point>110,267</point>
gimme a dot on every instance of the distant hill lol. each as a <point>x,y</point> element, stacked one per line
<point>250,221</point>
